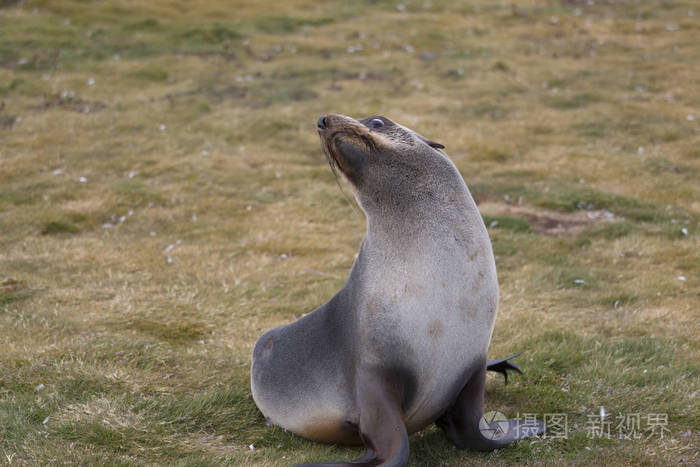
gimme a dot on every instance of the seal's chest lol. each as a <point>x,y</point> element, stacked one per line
<point>424,324</point>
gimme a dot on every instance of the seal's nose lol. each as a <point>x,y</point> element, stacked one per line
<point>322,123</point>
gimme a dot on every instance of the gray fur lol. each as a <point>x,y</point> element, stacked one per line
<point>420,301</point>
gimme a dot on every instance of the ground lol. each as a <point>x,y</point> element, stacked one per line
<point>164,200</point>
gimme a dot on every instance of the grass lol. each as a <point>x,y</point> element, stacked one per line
<point>163,201</point>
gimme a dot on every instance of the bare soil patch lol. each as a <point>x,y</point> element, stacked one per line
<point>548,222</point>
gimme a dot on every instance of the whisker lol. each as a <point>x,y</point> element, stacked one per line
<point>332,163</point>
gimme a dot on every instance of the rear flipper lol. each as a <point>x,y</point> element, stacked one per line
<point>464,425</point>
<point>503,365</point>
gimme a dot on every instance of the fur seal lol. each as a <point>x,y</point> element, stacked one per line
<point>403,344</point>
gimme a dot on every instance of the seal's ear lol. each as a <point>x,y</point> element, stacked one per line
<point>432,144</point>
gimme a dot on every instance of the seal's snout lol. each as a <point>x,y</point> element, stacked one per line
<point>322,123</point>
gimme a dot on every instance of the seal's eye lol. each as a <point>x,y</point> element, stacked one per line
<point>375,123</point>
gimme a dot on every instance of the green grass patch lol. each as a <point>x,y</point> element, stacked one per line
<point>515,224</point>
<point>572,102</point>
<point>275,24</point>
<point>67,223</point>
<point>182,331</point>
<point>120,440</point>
<point>21,418</point>
<point>58,227</point>
<point>228,411</point>
<point>609,230</point>
<point>618,299</point>
<point>19,87</point>
<point>593,129</point>
<point>12,291</point>
<point>572,278</point>
<point>213,34</point>
<point>16,198</point>
<point>150,74</point>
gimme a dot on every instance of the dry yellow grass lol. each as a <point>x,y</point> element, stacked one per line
<point>207,213</point>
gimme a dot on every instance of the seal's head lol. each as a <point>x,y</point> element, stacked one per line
<point>382,160</point>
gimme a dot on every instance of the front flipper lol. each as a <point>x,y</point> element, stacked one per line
<point>382,429</point>
<point>464,425</point>
<point>503,365</point>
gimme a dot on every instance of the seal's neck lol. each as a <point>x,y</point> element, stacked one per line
<point>446,220</point>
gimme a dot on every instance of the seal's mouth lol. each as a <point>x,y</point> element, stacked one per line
<point>347,145</point>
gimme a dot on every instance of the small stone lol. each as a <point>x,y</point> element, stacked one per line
<point>684,231</point>
<point>39,387</point>
<point>152,234</point>
<point>690,117</point>
<point>251,447</point>
<point>681,278</point>
<point>579,281</point>
<point>168,248</point>
<point>46,420</point>
<point>162,127</point>
<point>205,153</point>
<point>170,260</point>
<point>283,256</point>
<point>91,81</point>
<point>132,174</point>
<point>493,223</point>
<point>249,208</point>
<point>82,179</point>
<point>57,172</point>
<point>616,304</point>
